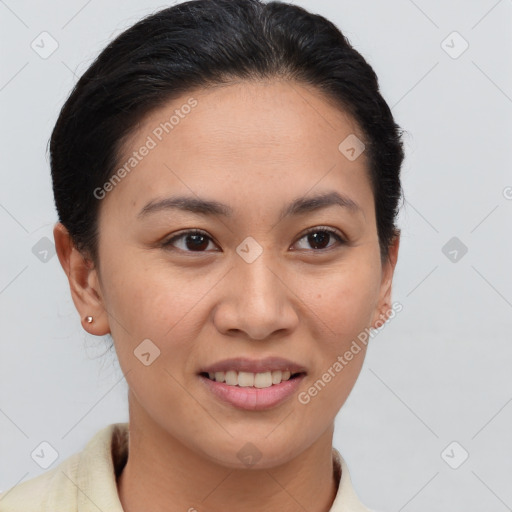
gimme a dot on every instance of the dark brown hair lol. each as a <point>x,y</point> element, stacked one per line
<point>201,43</point>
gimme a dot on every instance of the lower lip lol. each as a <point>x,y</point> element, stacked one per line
<point>253,399</point>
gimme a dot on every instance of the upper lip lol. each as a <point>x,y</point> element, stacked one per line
<point>244,364</point>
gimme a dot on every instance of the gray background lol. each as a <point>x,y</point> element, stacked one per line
<point>439,372</point>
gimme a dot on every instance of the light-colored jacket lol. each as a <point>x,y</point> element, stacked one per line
<point>86,481</point>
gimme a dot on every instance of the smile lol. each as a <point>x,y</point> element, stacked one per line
<point>245,393</point>
<point>248,379</point>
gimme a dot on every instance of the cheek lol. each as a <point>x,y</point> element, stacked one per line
<point>163,305</point>
<point>157,302</point>
<point>342,300</point>
<point>327,391</point>
<point>342,309</point>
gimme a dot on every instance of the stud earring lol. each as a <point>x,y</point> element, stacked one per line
<point>88,319</point>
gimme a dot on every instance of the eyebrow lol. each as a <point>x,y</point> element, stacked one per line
<point>299,206</point>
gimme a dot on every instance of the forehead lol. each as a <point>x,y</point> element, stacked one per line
<point>247,137</point>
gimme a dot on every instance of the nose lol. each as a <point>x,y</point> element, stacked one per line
<point>256,301</point>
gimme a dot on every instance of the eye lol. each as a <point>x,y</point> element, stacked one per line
<point>194,241</point>
<point>198,241</point>
<point>319,236</point>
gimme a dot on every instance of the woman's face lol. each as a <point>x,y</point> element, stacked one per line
<point>253,284</point>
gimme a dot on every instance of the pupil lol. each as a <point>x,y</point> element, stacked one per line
<point>197,243</point>
<point>318,238</point>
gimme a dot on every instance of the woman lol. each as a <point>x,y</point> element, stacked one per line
<point>226,175</point>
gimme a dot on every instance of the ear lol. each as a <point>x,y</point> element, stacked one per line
<point>83,282</point>
<point>382,310</point>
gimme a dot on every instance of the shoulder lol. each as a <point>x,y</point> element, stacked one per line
<point>34,494</point>
<point>90,472</point>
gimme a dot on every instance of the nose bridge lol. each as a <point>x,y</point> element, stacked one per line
<point>260,287</point>
<point>257,302</point>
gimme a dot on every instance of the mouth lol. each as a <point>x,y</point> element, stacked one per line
<point>252,384</point>
<point>252,380</point>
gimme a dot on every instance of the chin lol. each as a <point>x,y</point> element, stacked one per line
<point>254,452</point>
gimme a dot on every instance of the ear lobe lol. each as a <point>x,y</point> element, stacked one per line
<point>382,311</point>
<point>83,282</point>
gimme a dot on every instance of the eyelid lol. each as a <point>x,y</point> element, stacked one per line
<point>329,229</point>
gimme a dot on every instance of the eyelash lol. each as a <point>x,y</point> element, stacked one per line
<point>168,243</point>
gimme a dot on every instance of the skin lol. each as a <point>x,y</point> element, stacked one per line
<point>255,146</point>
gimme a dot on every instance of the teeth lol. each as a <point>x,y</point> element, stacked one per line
<point>263,380</point>
<point>277,376</point>
<point>245,379</point>
<point>231,378</point>
<point>248,379</point>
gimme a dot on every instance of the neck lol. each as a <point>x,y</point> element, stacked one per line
<point>163,475</point>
